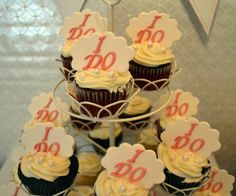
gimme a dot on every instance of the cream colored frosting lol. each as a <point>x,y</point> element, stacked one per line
<point>182,163</point>
<point>45,166</point>
<point>106,186</point>
<point>65,49</point>
<point>81,191</point>
<point>103,132</point>
<point>148,136</point>
<point>166,120</point>
<point>89,164</point>
<point>99,79</point>
<point>152,54</point>
<point>137,105</point>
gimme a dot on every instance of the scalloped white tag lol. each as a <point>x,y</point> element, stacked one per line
<point>43,109</point>
<point>135,164</point>
<point>221,183</point>
<point>191,135</point>
<point>47,138</point>
<point>103,52</point>
<point>182,104</point>
<point>12,189</point>
<point>153,27</point>
<point>81,24</point>
<point>17,153</point>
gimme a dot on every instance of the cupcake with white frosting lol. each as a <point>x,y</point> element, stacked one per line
<point>184,169</point>
<point>105,185</point>
<point>66,59</point>
<point>48,166</point>
<point>137,106</point>
<point>148,138</point>
<point>101,135</point>
<point>151,62</point>
<point>90,167</point>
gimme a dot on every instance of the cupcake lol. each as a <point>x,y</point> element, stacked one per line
<point>148,139</point>
<point>151,62</point>
<point>90,167</point>
<point>185,149</point>
<point>184,169</point>
<point>66,59</point>
<point>101,88</point>
<point>101,135</point>
<point>81,191</point>
<point>49,165</point>
<point>105,185</point>
<point>45,174</point>
<point>79,123</point>
<point>102,78</point>
<point>137,106</point>
<point>130,170</point>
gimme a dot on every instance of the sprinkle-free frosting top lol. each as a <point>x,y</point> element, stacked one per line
<point>106,186</point>
<point>183,163</point>
<point>44,166</point>
<point>152,54</point>
<point>149,136</point>
<point>89,164</point>
<point>103,132</point>
<point>137,105</point>
<point>99,79</point>
<point>65,49</point>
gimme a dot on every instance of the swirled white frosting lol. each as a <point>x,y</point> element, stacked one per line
<point>137,105</point>
<point>148,135</point>
<point>152,54</point>
<point>103,132</point>
<point>99,79</point>
<point>106,186</point>
<point>182,163</point>
<point>45,166</point>
<point>166,120</point>
<point>89,164</point>
<point>65,49</point>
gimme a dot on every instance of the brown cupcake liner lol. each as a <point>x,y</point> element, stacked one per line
<point>68,70</point>
<point>149,73</point>
<point>83,124</point>
<point>102,98</point>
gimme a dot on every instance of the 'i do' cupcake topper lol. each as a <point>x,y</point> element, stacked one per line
<point>153,27</point>
<point>221,183</point>
<point>47,138</point>
<point>191,135</point>
<point>182,105</point>
<point>81,24</point>
<point>43,109</point>
<point>102,52</point>
<point>135,164</point>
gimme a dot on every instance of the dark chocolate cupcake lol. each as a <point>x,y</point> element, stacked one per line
<point>101,135</point>
<point>82,124</point>
<point>137,106</point>
<point>66,59</point>
<point>101,88</point>
<point>184,169</point>
<point>42,183</point>
<point>151,62</point>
